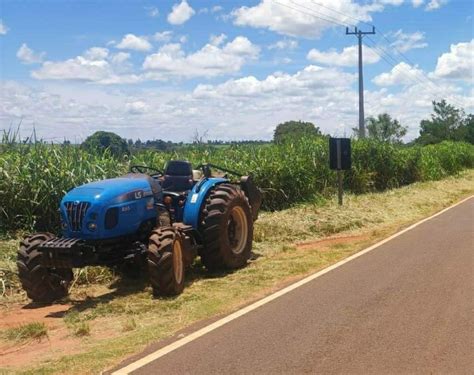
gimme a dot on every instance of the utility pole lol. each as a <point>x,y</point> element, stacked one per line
<point>360,35</point>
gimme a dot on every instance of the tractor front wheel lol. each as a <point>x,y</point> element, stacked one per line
<point>42,285</point>
<point>227,228</point>
<point>165,261</point>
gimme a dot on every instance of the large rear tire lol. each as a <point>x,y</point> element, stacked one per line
<point>227,228</point>
<point>42,285</point>
<point>165,262</point>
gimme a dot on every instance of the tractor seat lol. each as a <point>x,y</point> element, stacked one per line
<point>178,176</point>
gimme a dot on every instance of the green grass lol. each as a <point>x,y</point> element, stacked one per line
<point>30,331</point>
<point>81,329</point>
<point>277,261</point>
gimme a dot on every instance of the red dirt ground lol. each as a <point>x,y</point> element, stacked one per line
<point>59,342</point>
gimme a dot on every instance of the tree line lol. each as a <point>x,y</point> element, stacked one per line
<point>445,123</point>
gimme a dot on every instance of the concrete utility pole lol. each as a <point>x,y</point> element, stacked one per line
<point>359,35</point>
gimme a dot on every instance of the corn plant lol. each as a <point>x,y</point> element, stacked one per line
<point>34,175</point>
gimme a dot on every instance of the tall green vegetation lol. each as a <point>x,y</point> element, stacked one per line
<point>293,130</point>
<point>446,123</point>
<point>34,177</point>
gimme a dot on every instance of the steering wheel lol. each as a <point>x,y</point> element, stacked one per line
<point>153,172</point>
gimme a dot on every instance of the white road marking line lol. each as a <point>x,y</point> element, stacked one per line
<point>203,331</point>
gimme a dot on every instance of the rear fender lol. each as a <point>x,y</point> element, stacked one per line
<point>196,199</point>
<point>253,194</point>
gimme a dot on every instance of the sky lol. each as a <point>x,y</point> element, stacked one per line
<point>228,70</point>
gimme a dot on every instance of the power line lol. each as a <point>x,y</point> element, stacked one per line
<point>410,62</point>
<point>419,78</point>
<point>387,53</point>
<point>383,53</point>
<point>343,14</point>
<point>334,19</point>
<point>427,80</point>
<point>310,14</point>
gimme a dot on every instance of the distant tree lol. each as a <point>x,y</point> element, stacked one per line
<point>469,128</point>
<point>199,138</point>
<point>106,140</point>
<point>385,129</point>
<point>446,123</point>
<point>293,130</point>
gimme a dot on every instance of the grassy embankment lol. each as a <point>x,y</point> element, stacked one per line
<point>121,318</point>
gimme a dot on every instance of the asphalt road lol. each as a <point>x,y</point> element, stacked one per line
<point>406,307</point>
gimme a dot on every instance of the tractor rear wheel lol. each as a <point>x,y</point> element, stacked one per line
<point>227,228</point>
<point>42,285</point>
<point>165,261</point>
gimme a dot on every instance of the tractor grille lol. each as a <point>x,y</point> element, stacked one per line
<point>76,211</point>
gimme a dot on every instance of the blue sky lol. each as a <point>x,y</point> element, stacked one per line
<point>229,69</point>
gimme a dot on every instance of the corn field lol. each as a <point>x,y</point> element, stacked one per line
<point>35,176</point>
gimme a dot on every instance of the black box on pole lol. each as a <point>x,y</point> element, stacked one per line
<point>340,153</point>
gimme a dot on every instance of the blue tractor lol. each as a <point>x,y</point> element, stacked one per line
<point>161,220</point>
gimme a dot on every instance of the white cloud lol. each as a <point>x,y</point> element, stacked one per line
<point>180,13</point>
<point>96,53</point>
<point>163,36</point>
<point>133,42</point>
<point>347,57</point>
<point>293,18</point>
<point>119,58</point>
<point>153,12</point>
<point>405,41</point>
<point>137,107</point>
<point>27,56</point>
<point>435,4</point>
<point>458,63</point>
<point>95,65</point>
<point>310,79</point>
<point>390,2</point>
<point>326,96</point>
<point>3,28</point>
<point>209,61</point>
<point>285,44</point>
<point>217,40</point>
<point>216,9</point>
<point>417,3</point>
<point>401,74</point>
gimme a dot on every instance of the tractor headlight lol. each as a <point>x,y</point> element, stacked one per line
<point>91,226</point>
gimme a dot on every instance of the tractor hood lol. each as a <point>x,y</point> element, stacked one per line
<point>109,208</point>
<point>111,191</point>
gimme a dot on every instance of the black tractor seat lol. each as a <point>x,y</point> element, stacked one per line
<point>178,176</point>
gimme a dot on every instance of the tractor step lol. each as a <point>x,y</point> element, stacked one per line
<point>183,227</point>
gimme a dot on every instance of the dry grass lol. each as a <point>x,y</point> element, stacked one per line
<point>277,262</point>
<point>361,212</point>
